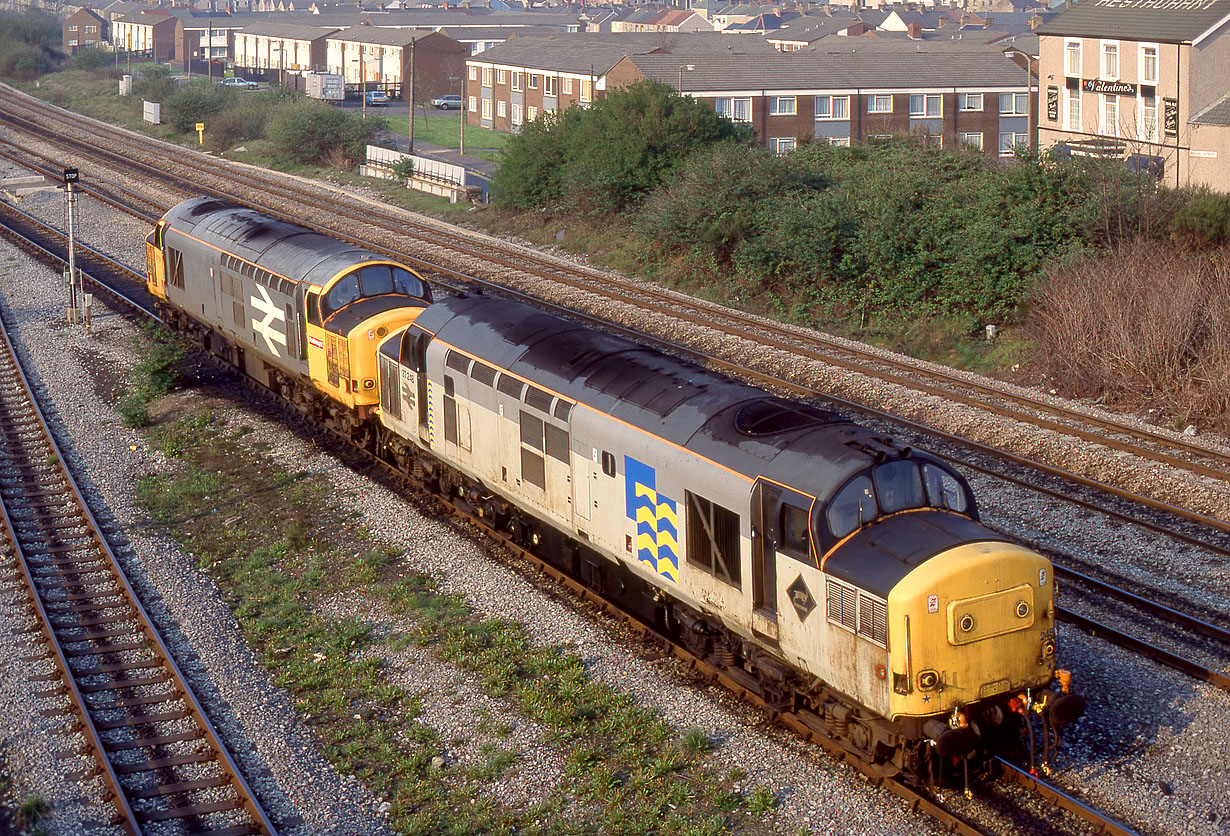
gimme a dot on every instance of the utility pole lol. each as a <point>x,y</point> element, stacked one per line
<point>363,80</point>
<point>209,48</point>
<point>461,140</point>
<point>411,97</point>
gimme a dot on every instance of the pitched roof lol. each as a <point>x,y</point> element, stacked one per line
<point>577,52</point>
<point>289,31</point>
<point>1217,113</point>
<point>889,65</point>
<point>1171,21</point>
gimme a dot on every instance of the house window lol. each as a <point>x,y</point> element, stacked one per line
<point>782,145</point>
<point>531,113</point>
<point>91,30</point>
<point>1110,115</point>
<point>587,88</point>
<point>969,101</point>
<point>516,114</point>
<point>501,108</point>
<point>782,106</point>
<point>971,140</point>
<point>548,85</point>
<point>736,110</point>
<point>926,104</point>
<point>1110,60</point>
<point>472,105</point>
<point>487,109</point>
<point>486,76</point>
<point>473,73</point>
<point>1072,59</point>
<point>516,80</point>
<point>72,42</point>
<point>1073,122</point>
<point>1148,118</point>
<point>72,27</point>
<point>1013,104</point>
<point>880,103</point>
<point>1148,64</point>
<point>1009,141</point>
<point>533,81</point>
<point>832,107</point>
<point>567,82</point>
<point>501,76</point>
<point>839,141</point>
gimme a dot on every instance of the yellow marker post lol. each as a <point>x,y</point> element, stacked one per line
<point>200,133</point>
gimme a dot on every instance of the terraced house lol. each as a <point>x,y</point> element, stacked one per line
<point>947,92</point>
<point>1147,81</point>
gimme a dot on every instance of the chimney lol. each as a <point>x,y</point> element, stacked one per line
<point>914,31</point>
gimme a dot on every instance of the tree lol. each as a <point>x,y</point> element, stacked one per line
<point>608,157</point>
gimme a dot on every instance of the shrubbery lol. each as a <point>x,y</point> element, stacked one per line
<point>192,103</point>
<point>607,157</point>
<point>27,44</point>
<point>308,131</point>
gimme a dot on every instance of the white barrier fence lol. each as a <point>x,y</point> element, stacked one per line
<point>424,167</point>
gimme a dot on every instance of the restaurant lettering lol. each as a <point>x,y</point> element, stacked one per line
<point>1052,104</point>
<point>1119,88</point>
<point>1170,117</point>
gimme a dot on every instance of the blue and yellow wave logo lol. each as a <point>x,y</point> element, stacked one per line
<point>656,517</point>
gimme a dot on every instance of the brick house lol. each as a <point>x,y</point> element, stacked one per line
<point>948,92</point>
<point>377,58</point>
<point>1140,80</point>
<point>272,45</point>
<point>83,29</point>
<point>149,33</point>
<point>516,81</point>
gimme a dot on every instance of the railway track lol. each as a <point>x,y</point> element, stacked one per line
<point>148,740</point>
<point>284,196</point>
<point>804,724</point>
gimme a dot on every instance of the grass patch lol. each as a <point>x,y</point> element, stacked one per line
<point>283,547</point>
<point>442,128</point>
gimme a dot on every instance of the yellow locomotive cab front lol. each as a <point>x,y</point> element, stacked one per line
<point>971,624</point>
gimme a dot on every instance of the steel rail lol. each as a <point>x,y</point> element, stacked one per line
<point>1101,824</point>
<point>149,636</point>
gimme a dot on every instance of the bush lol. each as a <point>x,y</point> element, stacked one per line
<point>94,60</point>
<point>28,44</point>
<point>192,103</point>
<point>1203,221</point>
<point>1145,325</point>
<point>244,122</point>
<point>307,131</point>
<point>610,156</point>
<point>155,83</point>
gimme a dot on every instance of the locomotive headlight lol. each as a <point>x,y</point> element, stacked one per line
<point>967,623</point>
<point>1022,609</point>
<point>928,680</point>
<point>368,383</point>
<point>1048,649</point>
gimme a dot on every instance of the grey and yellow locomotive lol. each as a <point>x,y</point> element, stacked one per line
<point>819,562</point>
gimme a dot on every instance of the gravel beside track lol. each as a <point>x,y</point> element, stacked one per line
<point>1151,749</point>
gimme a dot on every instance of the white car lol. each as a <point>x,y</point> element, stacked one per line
<point>452,102</point>
<point>238,83</point>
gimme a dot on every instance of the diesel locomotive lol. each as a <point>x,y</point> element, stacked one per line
<point>827,566</point>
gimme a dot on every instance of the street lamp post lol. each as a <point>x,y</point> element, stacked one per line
<point>683,67</point>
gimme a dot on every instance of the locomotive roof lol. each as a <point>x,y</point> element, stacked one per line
<point>731,423</point>
<point>282,247</point>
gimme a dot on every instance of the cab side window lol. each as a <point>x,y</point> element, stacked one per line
<point>944,490</point>
<point>795,532</point>
<point>343,293</point>
<point>854,505</point>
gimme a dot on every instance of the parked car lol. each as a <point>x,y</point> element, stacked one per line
<point>377,98</point>
<point>238,83</point>
<point>452,102</point>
